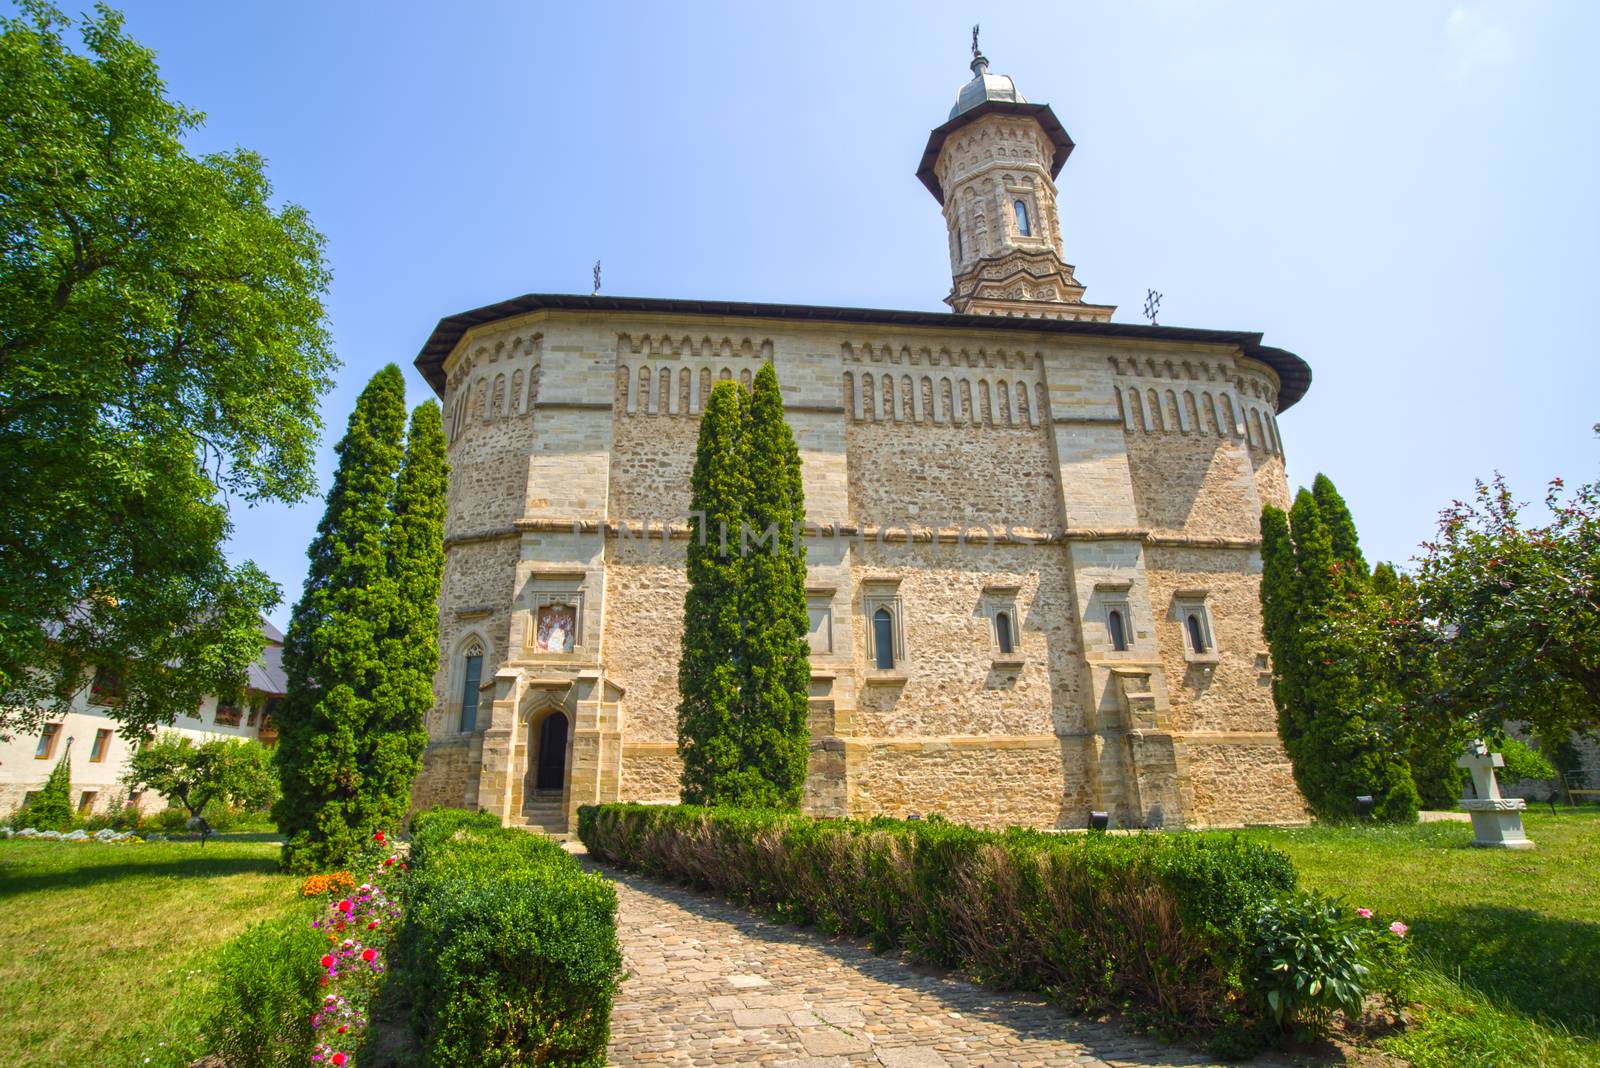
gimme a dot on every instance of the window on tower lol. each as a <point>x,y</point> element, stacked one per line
<point>961,246</point>
<point>1021,211</point>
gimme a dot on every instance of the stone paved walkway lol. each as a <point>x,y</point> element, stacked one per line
<point>712,984</point>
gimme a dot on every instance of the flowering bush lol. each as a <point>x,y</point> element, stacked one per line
<point>340,882</point>
<point>356,930</point>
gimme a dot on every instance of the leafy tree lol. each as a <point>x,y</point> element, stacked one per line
<point>1323,681</point>
<point>398,729</point>
<point>232,771</point>
<point>163,345</point>
<point>335,792</point>
<point>774,659</point>
<point>708,668</point>
<point>51,808</point>
<point>1512,614</point>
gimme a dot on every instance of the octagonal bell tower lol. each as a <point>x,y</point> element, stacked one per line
<point>992,166</point>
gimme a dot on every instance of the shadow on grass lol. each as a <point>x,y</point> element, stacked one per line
<point>1541,966</point>
<point>198,866</point>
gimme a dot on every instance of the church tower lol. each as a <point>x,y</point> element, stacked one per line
<point>992,165</point>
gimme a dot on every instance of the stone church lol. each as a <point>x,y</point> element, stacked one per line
<point>1032,532</point>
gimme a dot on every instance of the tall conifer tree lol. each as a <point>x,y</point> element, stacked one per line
<point>398,730</point>
<point>708,667</point>
<point>1341,527</point>
<point>1323,695</point>
<point>775,660</point>
<point>333,655</point>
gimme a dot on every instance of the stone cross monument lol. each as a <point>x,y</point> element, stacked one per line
<point>1496,820</point>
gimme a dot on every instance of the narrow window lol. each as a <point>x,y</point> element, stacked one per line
<point>1002,628</point>
<point>1119,633</point>
<point>1021,211</point>
<point>86,802</point>
<point>1197,634</point>
<point>47,741</point>
<point>102,742</point>
<point>961,246</point>
<point>471,674</point>
<point>883,639</point>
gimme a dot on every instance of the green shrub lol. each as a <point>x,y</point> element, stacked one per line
<point>509,949</point>
<point>268,985</point>
<point>1307,960</point>
<point>1162,925</point>
<point>51,807</point>
<point>1523,762</point>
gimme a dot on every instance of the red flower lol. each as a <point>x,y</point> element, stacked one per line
<point>327,960</point>
<point>337,1059</point>
<point>369,955</point>
<point>373,925</point>
<point>345,906</point>
<point>377,836</point>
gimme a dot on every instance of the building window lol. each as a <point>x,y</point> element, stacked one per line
<point>1003,634</point>
<point>47,741</point>
<point>998,605</point>
<point>1020,209</point>
<point>86,802</point>
<point>1194,615</point>
<point>1118,629</point>
<point>961,246</point>
<point>471,676</point>
<point>253,712</point>
<point>228,715</point>
<point>106,689</point>
<point>886,641</point>
<point>883,639</point>
<point>102,742</point>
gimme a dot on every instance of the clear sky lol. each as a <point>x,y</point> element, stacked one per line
<point>1402,193</point>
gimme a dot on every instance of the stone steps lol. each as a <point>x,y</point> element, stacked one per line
<point>544,814</point>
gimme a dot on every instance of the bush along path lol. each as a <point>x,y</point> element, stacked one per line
<point>1210,940</point>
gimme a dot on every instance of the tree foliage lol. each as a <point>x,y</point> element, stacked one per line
<point>51,808</point>
<point>1322,681</point>
<point>232,771</point>
<point>162,346</point>
<point>744,669</point>
<point>333,767</point>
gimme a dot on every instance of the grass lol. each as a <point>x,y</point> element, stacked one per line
<point>1508,942</point>
<point>105,949</point>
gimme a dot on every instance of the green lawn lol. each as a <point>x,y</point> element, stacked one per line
<point>104,949</point>
<point>1509,942</point>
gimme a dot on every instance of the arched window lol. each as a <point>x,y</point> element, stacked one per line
<point>1021,211</point>
<point>883,639</point>
<point>1002,630</point>
<point>471,676</point>
<point>1119,631</point>
<point>1197,633</point>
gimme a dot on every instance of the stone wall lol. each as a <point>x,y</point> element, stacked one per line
<point>1193,484</point>
<point>1001,782</point>
<point>650,772</point>
<point>1241,780</point>
<point>643,635</point>
<point>446,770</point>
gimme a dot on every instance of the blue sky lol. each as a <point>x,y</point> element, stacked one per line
<point>1404,194</point>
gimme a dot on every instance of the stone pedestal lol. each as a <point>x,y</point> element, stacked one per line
<point>1496,820</point>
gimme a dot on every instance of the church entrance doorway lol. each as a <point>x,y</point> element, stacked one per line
<point>552,768</point>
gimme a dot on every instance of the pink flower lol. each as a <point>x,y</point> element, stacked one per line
<point>1399,929</point>
<point>1365,914</point>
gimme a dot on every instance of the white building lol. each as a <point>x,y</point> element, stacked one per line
<point>97,755</point>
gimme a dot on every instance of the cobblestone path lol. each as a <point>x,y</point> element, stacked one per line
<point>709,983</point>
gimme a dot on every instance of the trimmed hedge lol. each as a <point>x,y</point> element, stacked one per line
<point>1160,925</point>
<point>509,948</point>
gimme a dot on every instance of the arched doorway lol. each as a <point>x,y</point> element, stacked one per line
<point>552,768</point>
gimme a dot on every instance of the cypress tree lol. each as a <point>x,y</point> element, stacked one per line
<point>775,660</point>
<point>1337,754</point>
<point>1280,617</point>
<point>333,656</point>
<point>51,808</point>
<point>1341,527</point>
<point>708,668</point>
<point>398,730</point>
